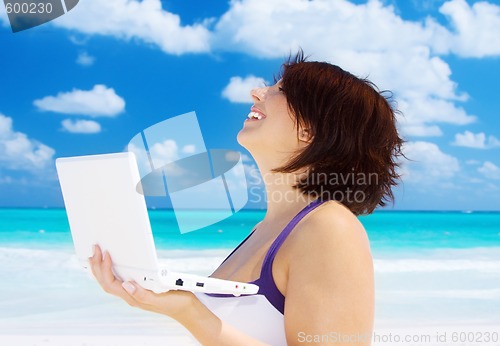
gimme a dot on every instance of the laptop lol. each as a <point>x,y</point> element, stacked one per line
<point>104,208</point>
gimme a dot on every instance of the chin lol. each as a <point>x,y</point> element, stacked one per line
<point>249,141</point>
<point>243,139</point>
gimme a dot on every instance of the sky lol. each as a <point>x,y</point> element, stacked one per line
<point>89,81</point>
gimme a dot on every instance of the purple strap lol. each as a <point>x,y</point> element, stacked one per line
<point>267,286</point>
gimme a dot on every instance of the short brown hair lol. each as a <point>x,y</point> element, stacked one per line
<point>354,134</point>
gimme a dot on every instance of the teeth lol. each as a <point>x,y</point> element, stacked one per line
<point>254,115</point>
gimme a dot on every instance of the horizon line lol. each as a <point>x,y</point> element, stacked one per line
<point>465,211</point>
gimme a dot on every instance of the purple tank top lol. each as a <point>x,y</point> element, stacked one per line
<point>267,286</point>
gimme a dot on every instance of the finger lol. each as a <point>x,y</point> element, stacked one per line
<point>134,290</point>
<point>147,299</point>
<point>107,279</point>
<point>158,302</point>
<point>102,267</point>
<point>144,298</point>
<point>106,269</point>
<point>95,261</point>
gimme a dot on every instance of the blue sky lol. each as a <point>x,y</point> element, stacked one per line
<point>87,82</point>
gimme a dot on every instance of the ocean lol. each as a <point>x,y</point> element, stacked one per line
<point>431,268</point>
<point>389,231</point>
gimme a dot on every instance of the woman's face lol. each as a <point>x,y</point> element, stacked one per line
<point>270,128</point>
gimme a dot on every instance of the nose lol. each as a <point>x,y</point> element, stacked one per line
<point>258,94</point>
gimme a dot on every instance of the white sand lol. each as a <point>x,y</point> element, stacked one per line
<point>416,336</point>
<point>87,340</point>
<point>48,300</point>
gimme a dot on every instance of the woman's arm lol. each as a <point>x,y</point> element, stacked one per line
<point>180,305</point>
<point>329,292</point>
<point>330,287</point>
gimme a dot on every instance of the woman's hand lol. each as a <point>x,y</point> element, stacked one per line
<point>175,304</point>
<point>182,306</point>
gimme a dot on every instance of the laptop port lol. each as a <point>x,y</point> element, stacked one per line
<point>200,284</point>
<point>179,282</point>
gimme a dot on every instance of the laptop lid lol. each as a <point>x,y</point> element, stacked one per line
<point>104,207</point>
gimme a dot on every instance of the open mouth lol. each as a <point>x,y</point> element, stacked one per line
<point>255,116</point>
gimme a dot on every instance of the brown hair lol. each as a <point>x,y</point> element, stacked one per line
<point>355,138</point>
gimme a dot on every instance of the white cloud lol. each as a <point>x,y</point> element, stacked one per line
<point>141,157</point>
<point>427,163</point>
<point>232,156</point>
<point>189,149</point>
<point>476,28</point>
<point>475,140</point>
<point>238,89</point>
<point>489,170</point>
<point>246,158</point>
<point>5,125</point>
<point>320,26</point>
<point>144,21</point>
<point>100,101</point>
<point>331,26</point>
<point>84,59</point>
<point>79,41</point>
<point>472,162</point>
<point>18,152</point>
<point>420,130</point>
<point>253,175</point>
<point>81,126</point>
<point>368,40</point>
<point>163,153</point>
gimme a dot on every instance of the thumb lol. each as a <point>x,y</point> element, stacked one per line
<point>129,287</point>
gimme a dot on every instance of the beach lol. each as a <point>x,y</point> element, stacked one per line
<point>437,280</point>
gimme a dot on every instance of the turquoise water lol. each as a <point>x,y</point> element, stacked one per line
<point>387,230</point>
<point>440,268</point>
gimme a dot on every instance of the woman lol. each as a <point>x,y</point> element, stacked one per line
<point>326,145</point>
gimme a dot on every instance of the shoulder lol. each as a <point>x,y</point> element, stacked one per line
<point>330,284</point>
<point>329,227</point>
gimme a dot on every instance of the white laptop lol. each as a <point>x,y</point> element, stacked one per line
<point>104,208</point>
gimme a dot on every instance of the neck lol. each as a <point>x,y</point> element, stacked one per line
<point>283,200</point>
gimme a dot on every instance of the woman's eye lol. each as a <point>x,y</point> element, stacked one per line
<point>280,89</point>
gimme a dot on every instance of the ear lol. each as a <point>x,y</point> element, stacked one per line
<point>305,135</point>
